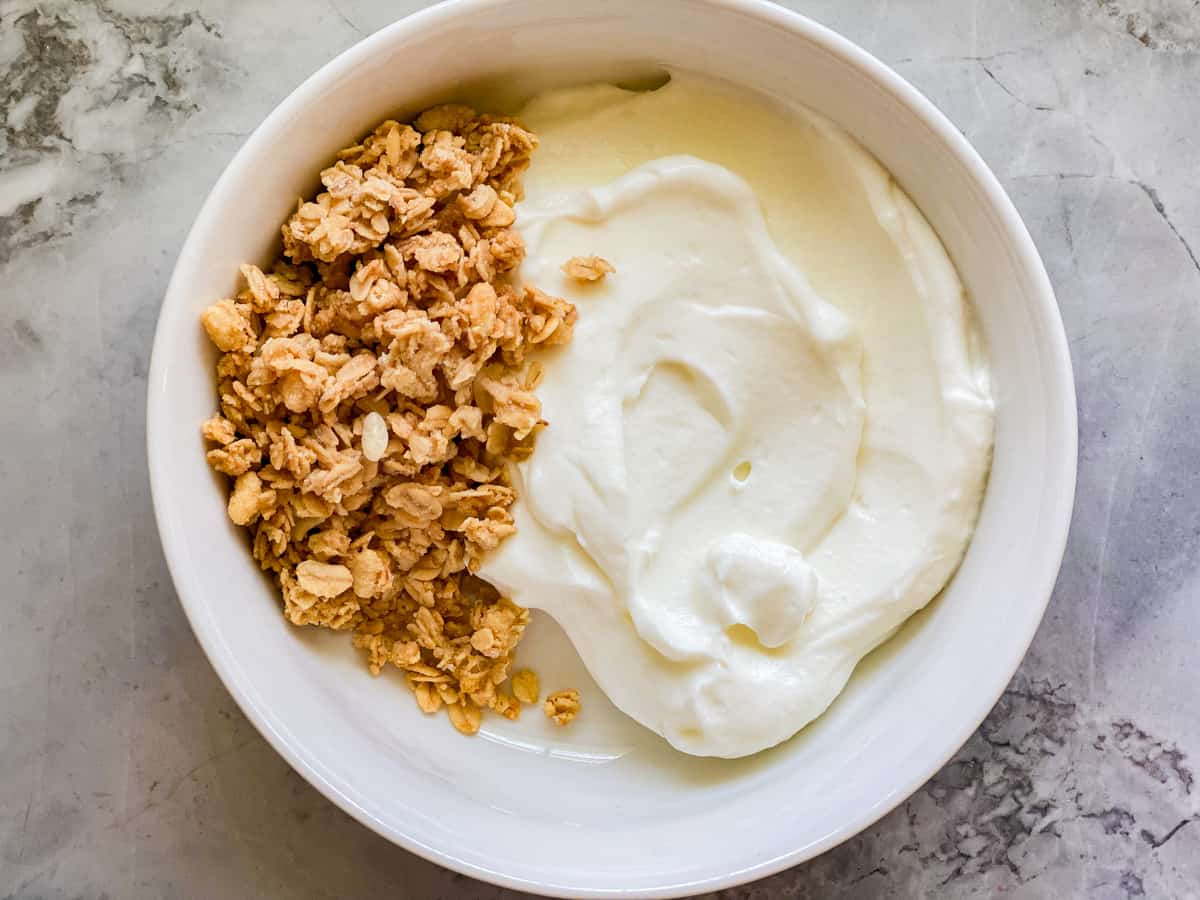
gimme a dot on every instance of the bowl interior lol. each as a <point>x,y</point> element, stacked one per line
<point>607,808</point>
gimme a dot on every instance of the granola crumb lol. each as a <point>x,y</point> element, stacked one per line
<point>374,385</point>
<point>587,268</point>
<point>562,706</point>
<point>525,687</point>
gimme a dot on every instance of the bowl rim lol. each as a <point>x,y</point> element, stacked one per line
<point>1059,371</point>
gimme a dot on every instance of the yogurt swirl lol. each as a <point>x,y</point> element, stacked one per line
<point>770,435</point>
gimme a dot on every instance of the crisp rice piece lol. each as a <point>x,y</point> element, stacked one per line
<point>375,384</point>
<point>587,268</point>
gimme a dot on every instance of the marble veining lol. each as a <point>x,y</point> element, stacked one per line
<point>130,773</point>
<point>84,84</point>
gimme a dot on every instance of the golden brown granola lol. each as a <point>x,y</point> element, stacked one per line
<point>374,385</point>
<point>562,706</point>
<point>525,686</point>
<point>587,268</point>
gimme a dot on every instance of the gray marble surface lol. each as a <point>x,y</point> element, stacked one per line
<point>128,772</point>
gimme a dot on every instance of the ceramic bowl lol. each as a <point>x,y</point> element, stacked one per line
<point>605,809</point>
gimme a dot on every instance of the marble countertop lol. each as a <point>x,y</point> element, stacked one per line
<point>127,769</point>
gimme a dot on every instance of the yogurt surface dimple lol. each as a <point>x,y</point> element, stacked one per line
<point>769,436</point>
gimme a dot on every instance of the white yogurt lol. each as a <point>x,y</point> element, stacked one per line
<point>772,429</point>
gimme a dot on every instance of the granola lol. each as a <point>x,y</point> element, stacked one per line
<point>525,686</point>
<point>587,268</point>
<point>562,706</point>
<point>374,384</point>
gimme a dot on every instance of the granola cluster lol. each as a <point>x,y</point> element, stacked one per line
<point>374,385</point>
<point>562,706</point>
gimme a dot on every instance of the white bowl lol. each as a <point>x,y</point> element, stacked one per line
<point>604,809</point>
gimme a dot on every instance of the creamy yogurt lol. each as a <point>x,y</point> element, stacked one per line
<point>771,431</point>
